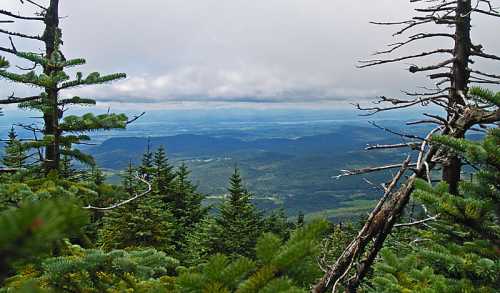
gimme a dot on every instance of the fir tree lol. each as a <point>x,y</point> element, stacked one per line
<point>146,167</point>
<point>66,169</point>
<point>279,267</point>
<point>97,176</point>
<point>91,270</point>
<point>164,174</point>
<point>128,181</point>
<point>185,202</point>
<point>201,242</point>
<point>142,223</point>
<point>238,220</point>
<point>59,132</point>
<point>278,224</point>
<point>300,219</point>
<point>30,232</point>
<point>15,155</point>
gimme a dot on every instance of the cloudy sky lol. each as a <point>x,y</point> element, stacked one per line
<point>233,53</point>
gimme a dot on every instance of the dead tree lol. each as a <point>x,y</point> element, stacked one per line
<point>452,77</point>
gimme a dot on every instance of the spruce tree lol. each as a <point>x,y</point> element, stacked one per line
<point>15,155</point>
<point>128,181</point>
<point>184,201</point>
<point>31,231</point>
<point>59,133</point>
<point>164,174</point>
<point>146,167</point>
<point>145,222</point>
<point>97,176</point>
<point>289,266</point>
<point>239,221</point>
<point>201,242</point>
<point>278,224</point>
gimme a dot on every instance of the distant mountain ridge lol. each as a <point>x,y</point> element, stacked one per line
<point>346,138</point>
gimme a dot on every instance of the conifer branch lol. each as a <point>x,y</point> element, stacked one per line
<point>15,100</point>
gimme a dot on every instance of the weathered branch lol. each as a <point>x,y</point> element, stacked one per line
<point>392,146</point>
<point>374,62</point>
<point>8,13</point>
<point>119,204</point>
<point>21,35</point>
<point>433,218</point>
<point>136,117</point>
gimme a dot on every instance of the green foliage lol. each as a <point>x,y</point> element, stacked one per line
<point>200,242</point>
<point>459,251</point>
<point>97,271</point>
<point>29,232</point>
<point>164,173</point>
<point>15,154</point>
<point>277,223</point>
<point>90,122</point>
<point>185,203</point>
<point>145,222</point>
<point>52,81</point>
<point>485,95</point>
<point>239,221</point>
<point>279,267</point>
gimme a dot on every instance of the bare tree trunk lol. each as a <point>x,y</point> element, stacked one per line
<point>459,86</point>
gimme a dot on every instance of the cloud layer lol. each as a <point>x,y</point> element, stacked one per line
<point>234,51</point>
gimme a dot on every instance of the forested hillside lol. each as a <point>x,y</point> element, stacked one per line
<point>256,215</point>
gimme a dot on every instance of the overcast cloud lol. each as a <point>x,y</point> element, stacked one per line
<point>235,52</point>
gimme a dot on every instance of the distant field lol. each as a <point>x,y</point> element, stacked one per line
<point>293,173</point>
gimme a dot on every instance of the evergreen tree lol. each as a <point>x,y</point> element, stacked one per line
<point>15,155</point>
<point>97,176</point>
<point>66,169</point>
<point>185,202</point>
<point>31,231</point>
<point>300,219</point>
<point>238,220</point>
<point>91,270</point>
<point>146,167</point>
<point>201,242</point>
<point>164,174</point>
<point>279,267</point>
<point>128,179</point>
<point>278,224</point>
<point>59,132</point>
<point>142,223</point>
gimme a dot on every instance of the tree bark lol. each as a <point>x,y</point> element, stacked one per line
<point>459,86</point>
<point>51,37</point>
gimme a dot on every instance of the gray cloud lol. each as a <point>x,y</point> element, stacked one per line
<point>235,51</point>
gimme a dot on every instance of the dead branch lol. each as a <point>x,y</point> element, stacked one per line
<point>10,14</point>
<point>119,204</point>
<point>369,63</point>
<point>368,170</point>
<point>21,35</point>
<point>135,117</point>
<point>392,146</point>
<point>420,222</point>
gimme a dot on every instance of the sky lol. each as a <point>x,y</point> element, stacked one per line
<point>206,54</point>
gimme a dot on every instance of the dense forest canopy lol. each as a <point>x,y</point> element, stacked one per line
<point>435,227</point>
